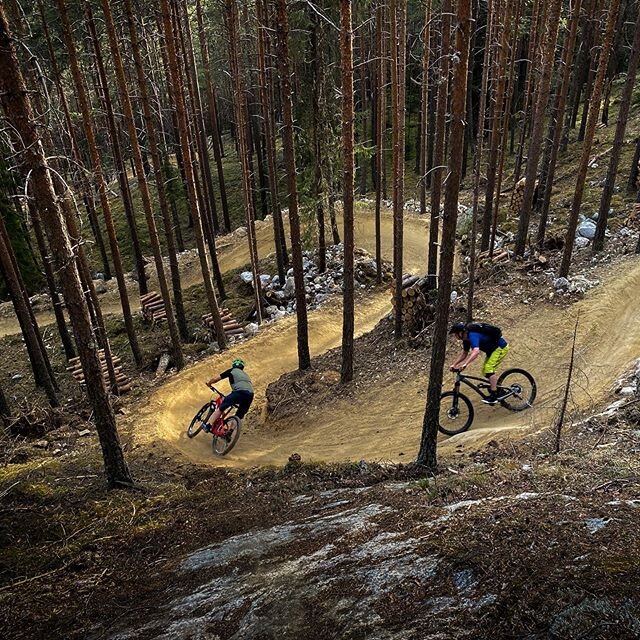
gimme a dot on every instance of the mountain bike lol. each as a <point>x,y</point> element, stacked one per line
<point>516,392</point>
<point>226,429</point>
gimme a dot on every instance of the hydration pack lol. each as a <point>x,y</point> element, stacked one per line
<point>486,329</point>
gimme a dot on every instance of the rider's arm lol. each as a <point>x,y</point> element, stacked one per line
<point>222,376</point>
<point>472,355</point>
<point>459,359</point>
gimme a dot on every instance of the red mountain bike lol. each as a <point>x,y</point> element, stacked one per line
<point>226,429</point>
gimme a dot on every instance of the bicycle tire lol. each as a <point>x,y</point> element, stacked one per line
<point>231,441</point>
<point>507,404</point>
<point>196,423</point>
<point>469,420</point>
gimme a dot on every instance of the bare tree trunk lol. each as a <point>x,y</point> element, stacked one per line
<point>174,81</point>
<point>632,183</point>
<point>618,140</point>
<point>269,135</point>
<point>592,121</point>
<point>558,119</point>
<point>381,105</point>
<point>439,144</point>
<point>535,145</point>
<point>17,107</point>
<point>114,135</point>
<point>398,67</point>
<point>240,104</point>
<point>5,409</point>
<point>213,115</point>
<point>96,162</point>
<point>477,160</point>
<point>557,428</point>
<point>427,454</point>
<point>282,35</point>
<point>346,70</point>
<point>424,107</point>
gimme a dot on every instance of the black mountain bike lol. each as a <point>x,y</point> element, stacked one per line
<point>516,392</point>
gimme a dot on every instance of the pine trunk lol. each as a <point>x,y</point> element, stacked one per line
<point>381,118</point>
<point>427,454</point>
<point>176,88</point>
<point>346,70</point>
<point>424,108</point>
<point>618,140</point>
<point>18,110</point>
<point>282,35</point>
<point>96,162</point>
<point>535,145</point>
<point>439,144</point>
<point>592,121</point>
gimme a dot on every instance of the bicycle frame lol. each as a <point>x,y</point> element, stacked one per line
<point>478,388</point>
<point>218,428</point>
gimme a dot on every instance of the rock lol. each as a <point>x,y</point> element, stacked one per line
<point>279,314</point>
<point>265,279</point>
<point>627,391</point>
<point>271,310</point>
<point>290,273</point>
<point>17,376</point>
<point>84,432</point>
<point>100,286</point>
<point>41,444</point>
<point>561,284</point>
<point>289,287</point>
<point>247,277</point>
<point>213,347</point>
<point>454,296</point>
<point>241,232</point>
<point>251,329</point>
<point>163,363</point>
<point>99,276</point>
<point>275,281</point>
<point>587,229</point>
<point>581,242</point>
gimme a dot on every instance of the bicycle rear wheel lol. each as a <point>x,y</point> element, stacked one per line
<point>523,387</point>
<point>223,444</point>
<point>196,424</point>
<point>456,413</point>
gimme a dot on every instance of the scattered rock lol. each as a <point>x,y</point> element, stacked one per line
<point>251,329</point>
<point>247,277</point>
<point>84,432</point>
<point>581,243</point>
<point>587,229</point>
<point>41,444</point>
<point>561,284</point>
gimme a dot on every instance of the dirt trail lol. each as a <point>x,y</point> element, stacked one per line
<point>385,420</point>
<point>233,254</point>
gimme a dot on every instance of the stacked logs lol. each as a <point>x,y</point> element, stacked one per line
<point>416,311</point>
<point>122,380</point>
<point>153,308</point>
<point>230,325</point>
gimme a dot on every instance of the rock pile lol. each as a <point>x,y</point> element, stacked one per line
<point>319,287</point>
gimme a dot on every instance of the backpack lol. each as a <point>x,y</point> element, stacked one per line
<point>486,329</point>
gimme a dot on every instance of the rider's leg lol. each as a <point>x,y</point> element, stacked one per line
<point>490,366</point>
<point>225,404</point>
<point>493,382</point>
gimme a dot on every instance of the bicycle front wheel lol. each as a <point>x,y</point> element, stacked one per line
<point>522,387</point>
<point>223,444</point>
<point>196,424</point>
<point>456,413</point>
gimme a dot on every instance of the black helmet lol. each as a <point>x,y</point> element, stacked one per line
<point>457,327</point>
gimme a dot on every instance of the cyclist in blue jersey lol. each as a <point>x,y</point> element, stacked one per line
<point>477,337</point>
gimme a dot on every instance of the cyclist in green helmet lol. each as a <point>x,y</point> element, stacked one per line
<point>241,394</point>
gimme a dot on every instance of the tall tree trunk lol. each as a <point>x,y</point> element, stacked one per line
<point>346,71</point>
<point>8,269</point>
<point>381,118</point>
<point>114,135</point>
<point>477,161</point>
<point>269,137</point>
<point>96,162</point>
<point>176,87</point>
<point>439,143</point>
<point>557,120</point>
<point>160,186</point>
<point>282,35</point>
<point>240,104</point>
<point>56,302</point>
<point>143,185</point>
<point>592,121</point>
<point>424,107</point>
<point>318,180</point>
<point>618,140</point>
<point>213,115</point>
<point>15,102</point>
<point>427,453</point>
<point>5,409</point>
<point>535,145</point>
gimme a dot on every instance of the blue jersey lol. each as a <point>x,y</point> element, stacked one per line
<point>488,344</point>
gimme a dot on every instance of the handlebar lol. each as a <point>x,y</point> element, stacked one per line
<point>214,389</point>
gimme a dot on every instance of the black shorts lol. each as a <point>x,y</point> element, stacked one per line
<point>241,399</point>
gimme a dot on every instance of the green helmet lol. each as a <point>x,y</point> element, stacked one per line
<point>237,364</point>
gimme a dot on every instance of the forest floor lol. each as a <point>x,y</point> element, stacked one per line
<point>508,540</point>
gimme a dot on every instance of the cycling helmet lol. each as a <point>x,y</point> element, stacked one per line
<point>457,327</point>
<point>237,364</point>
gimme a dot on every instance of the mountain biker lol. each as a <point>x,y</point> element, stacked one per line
<point>477,337</point>
<point>241,394</point>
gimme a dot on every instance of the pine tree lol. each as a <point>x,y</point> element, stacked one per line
<point>282,36</point>
<point>15,102</point>
<point>427,453</point>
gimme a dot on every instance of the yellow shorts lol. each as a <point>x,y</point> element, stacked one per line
<point>492,361</point>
